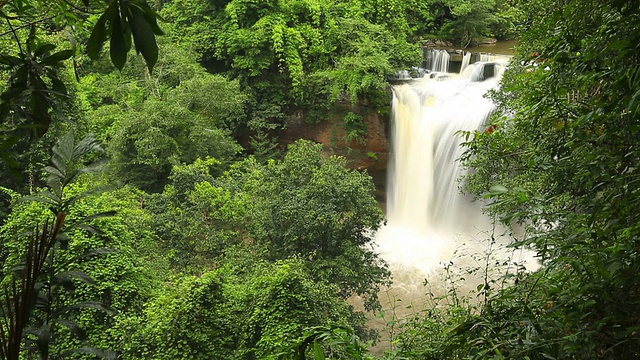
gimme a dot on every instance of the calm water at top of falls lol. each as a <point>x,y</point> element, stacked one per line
<point>501,47</point>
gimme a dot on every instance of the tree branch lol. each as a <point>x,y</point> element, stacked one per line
<point>14,29</point>
<point>86,11</point>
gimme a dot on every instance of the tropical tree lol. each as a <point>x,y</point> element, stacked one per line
<point>295,55</point>
<point>34,276</point>
<point>304,207</point>
<point>34,82</point>
<point>151,122</point>
<point>36,95</point>
<point>313,208</point>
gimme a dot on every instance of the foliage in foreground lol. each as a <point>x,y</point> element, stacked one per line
<point>54,307</point>
<point>562,162</point>
<point>225,316</point>
<point>31,62</point>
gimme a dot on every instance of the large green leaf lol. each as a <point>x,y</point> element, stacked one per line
<point>10,60</point>
<point>57,57</point>
<point>99,32</point>
<point>151,16</point>
<point>119,45</point>
<point>43,49</point>
<point>143,36</point>
<point>318,354</point>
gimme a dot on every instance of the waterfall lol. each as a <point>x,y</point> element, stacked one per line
<point>430,224</point>
<point>466,59</point>
<point>436,60</point>
<point>426,212</point>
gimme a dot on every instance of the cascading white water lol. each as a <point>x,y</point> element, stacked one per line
<point>426,212</point>
<point>429,222</point>
<point>466,59</point>
<point>436,60</point>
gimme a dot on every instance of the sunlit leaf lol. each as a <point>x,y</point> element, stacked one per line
<point>318,353</point>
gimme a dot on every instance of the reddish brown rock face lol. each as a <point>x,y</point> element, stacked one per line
<point>371,152</point>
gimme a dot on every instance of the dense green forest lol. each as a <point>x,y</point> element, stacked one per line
<point>147,210</point>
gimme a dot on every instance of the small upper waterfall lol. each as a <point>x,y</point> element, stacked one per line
<point>436,60</point>
<point>466,59</point>
<point>426,212</point>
